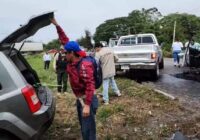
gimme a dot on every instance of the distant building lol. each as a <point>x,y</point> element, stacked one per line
<point>30,47</point>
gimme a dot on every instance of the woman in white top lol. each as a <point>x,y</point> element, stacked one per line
<point>176,48</point>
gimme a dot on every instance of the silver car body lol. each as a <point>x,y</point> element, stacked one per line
<point>17,118</point>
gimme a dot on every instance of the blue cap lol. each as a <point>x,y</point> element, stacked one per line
<point>74,46</point>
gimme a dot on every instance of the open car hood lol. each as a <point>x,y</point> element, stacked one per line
<point>29,29</point>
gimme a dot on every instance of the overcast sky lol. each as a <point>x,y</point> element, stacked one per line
<point>77,15</point>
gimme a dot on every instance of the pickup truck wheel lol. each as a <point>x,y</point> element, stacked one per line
<point>156,73</point>
<point>161,65</point>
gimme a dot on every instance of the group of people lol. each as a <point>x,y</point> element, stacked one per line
<point>177,48</point>
<point>82,80</point>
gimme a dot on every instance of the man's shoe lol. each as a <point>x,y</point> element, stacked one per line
<point>105,102</point>
<point>119,95</point>
<point>65,93</point>
<point>175,64</point>
<point>59,94</point>
<point>100,95</point>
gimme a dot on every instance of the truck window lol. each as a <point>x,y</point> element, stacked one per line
<point>128,41</point>
<point>145,39</point>
<point>133,41</point>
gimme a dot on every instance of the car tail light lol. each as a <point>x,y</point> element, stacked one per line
<point>31,98</point>
<point>153,56</point>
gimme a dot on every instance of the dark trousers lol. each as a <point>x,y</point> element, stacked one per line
<point>46,65</point>
<point>88,124</point>
<point>62,81</point>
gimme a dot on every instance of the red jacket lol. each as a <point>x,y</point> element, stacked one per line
<point>82,81</point>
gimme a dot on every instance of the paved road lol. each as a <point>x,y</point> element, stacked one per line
<point>186,90</point>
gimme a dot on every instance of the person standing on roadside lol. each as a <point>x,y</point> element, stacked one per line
<point>82,83</point>
<point>176,49</point>
<point>107,59</point>
<point>47,60</point>
<point>60,65</point>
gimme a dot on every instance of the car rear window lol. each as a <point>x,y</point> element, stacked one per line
<point>145,40</point>
<point>128,41</point>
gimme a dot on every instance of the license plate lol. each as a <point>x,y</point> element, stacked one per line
<point>125,67</point>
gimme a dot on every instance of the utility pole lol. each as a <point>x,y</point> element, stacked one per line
<point>174,35</point>
<point>129,30</point>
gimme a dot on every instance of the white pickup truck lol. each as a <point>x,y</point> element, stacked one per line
<point>139,52</point>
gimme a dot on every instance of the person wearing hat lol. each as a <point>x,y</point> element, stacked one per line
<point>107,59</point>
<point>82,83</point>
<point>60,65</point>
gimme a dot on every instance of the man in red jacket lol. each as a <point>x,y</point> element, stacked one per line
<point>82,83</point>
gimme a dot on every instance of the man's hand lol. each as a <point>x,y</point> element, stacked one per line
<point>86,111</point>
<point>53,20</point>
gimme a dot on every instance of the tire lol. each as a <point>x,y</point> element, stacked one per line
<point>161,65</point>
<point>155,73</point>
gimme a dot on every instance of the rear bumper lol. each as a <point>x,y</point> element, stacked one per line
<point>46,124</point>
<point>47,112</point>
<point>129,66</point>
<point>22,130</point>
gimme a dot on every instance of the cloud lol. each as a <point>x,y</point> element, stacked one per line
<point>77,15</point>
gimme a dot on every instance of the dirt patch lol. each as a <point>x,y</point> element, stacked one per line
<point>140,113</point>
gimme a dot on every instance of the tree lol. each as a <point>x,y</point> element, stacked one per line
<point>138,21</point>
<point>54,44</point>
<point>86,40</point>
<point>187,26</point>
<point>151,21</point>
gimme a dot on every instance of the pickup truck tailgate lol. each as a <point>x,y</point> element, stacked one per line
<point>134,53</point>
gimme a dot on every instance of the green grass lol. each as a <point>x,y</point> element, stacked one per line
<point>47,77</point>
<point>123,116</point>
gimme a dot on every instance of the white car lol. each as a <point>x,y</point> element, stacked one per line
<point>139,52</point>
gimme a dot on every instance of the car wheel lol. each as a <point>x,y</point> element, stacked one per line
<point>156,73</point>
<point>161,65</point>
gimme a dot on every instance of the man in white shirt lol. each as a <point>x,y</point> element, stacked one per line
<point>47,60</point>
<point>176,48</point>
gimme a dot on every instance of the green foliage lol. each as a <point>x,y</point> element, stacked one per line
<point>47,77</point>
<point>151,21</point>
<point>136,22</point>
<point>104,113</point>
<point>54,44</point>
<point>86,40</point>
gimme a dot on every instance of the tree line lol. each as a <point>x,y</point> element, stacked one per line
<point>144,21</point>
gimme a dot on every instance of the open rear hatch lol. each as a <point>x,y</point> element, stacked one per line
<point>25,31</point>
<point>29,29</point>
